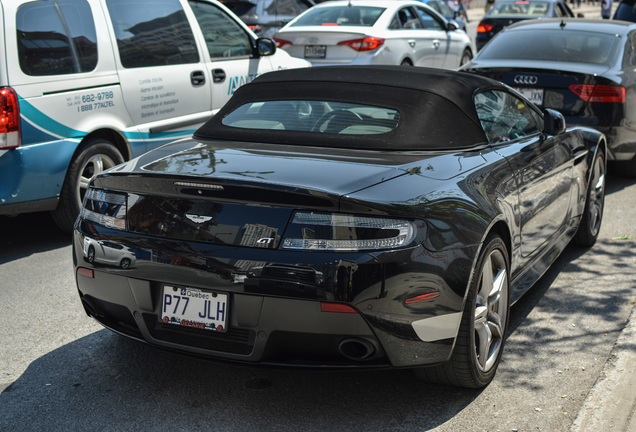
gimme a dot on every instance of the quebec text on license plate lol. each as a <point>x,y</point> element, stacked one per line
<point>191,307</point>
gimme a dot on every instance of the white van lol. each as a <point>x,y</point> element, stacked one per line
<point>87,84</point>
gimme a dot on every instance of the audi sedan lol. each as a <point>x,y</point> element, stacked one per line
<point>358,216</point>
<point>582,68</point>
<point>372,32</point>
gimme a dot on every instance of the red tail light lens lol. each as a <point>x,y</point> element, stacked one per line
<point>484,28</point>
<point>10,136</point>
<point>365,44</point>
<point>599,93</point>
<point>281,42</point>
<point>337,307</point>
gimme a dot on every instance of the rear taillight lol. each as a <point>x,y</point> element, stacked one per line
<point>484,28</point>
<point>599,93</point>
<point>346,233</point>
<point>365,44</point>
<point>10,135</point>
<point>281,42</point>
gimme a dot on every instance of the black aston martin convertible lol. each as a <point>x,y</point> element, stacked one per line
<point>344,216</point>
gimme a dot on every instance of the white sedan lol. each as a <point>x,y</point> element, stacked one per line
<point>375,32</point>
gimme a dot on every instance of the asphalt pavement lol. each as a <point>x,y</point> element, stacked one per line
<point>611,403</point>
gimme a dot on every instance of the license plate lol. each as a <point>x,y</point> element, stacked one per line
<point>191,307</point>
<point>533,95</point>
<point>315,51</point>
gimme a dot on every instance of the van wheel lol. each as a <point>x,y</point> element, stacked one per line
<point>95,156</point>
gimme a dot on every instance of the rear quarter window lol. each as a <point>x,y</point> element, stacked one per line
<point>56,38</point>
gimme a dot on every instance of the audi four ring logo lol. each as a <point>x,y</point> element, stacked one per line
<point>526,79</point>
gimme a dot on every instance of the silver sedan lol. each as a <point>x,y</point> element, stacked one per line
<point>375,32</point>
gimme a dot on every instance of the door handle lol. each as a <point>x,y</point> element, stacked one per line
<point>412,43</point>
<point>218,75</point>
<point>436,43</point>
<point>197,78</point>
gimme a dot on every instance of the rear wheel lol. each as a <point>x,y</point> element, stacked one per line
<point>590,224</point>
<point>406,62</point>
<point>482,333</point>
<point>125,263</point>
<point>95,156</point>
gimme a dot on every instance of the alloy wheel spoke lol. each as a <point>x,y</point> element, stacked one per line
<point>487,280</point>
<point>485,342</point>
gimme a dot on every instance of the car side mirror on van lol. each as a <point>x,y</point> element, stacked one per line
<point>265,46</point>
<point>553,122</point>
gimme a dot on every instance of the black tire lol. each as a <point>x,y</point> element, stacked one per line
<point>406,62</point>
<point>590,224</point>
<point>125,263</point>
<point>90,256</point>
<point>467,56</point>
<point>95,156</point>
<point>475,358</point>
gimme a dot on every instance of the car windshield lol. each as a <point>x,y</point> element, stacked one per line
<point>360,16</point>
<point>520,7</point>
<point>314,116</point>
<point>553,45</point>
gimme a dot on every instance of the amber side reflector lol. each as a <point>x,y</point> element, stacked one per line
<point>85,272</point>
<point>422,297</point>
<point>337,307</point>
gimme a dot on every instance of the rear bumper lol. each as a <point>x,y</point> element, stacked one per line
<point>277,319</point>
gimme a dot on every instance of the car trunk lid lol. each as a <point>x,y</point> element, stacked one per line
<point>239,196</point>
<point>549,87</point>
<point>321,43</point>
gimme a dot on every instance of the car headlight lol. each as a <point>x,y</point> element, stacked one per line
<point>105,208</point>
<point>346,233</point>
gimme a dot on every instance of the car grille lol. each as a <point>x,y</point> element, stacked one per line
<point>234,341</point>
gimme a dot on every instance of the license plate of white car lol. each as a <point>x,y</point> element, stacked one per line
<point>315,51</point>
<point>195,308</point>
<point>533,95</point>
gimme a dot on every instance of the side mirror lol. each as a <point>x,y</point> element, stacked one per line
<point>265,46</point>
<point>553,122</point>
<point>452,26</point>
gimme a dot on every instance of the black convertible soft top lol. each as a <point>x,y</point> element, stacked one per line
<point>436,106</point>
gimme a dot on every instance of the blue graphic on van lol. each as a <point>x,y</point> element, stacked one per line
<point>38,128</point>
<point>237,81</point>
